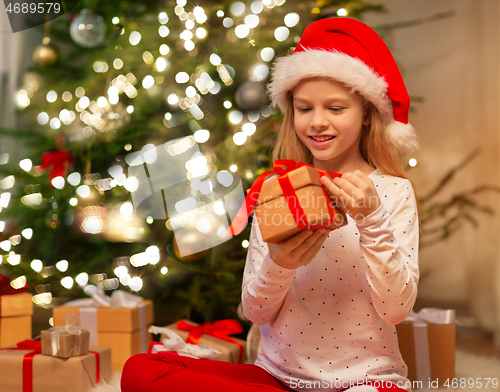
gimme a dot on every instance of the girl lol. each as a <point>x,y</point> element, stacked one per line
<point>327,302</point>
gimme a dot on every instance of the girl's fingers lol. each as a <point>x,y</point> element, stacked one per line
<point>311,252</point>
<point>346,185</point>
<point>357,178</point>
<point>332,188</point>
<point>295,241</point>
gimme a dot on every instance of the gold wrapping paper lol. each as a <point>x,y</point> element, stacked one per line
<point>70,345</point>
<point>118,328</point>
<point>273,214</point>
<point>51,374</point>
<point>15,318</point>
<point>441,338</point>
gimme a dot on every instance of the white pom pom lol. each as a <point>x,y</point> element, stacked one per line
<point>403,136</point>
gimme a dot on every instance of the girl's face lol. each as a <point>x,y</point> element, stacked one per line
<point>328,119</point>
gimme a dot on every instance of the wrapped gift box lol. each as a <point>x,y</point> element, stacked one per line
<point>440,348</point>
<point>275,218</point>
<point>62,344</point>
<point>124,330</point>
<point>15,318</point>
<point>230,350</point>
<point>76,374</point>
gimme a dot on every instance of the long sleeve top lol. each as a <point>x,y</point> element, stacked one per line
<point>330,324</point>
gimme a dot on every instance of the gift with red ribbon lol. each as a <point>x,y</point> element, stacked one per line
<point>16,309</point>
<point>24,368</point>
<point>120,322</point>
<point>215,335</point>
<point>294,200</point>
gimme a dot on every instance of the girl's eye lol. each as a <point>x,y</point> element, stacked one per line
<point>336,109</point>
<point>303,109</point>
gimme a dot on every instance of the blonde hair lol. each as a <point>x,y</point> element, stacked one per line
<point>375,146</point>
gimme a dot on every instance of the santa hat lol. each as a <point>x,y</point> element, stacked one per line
<point>352,53</point>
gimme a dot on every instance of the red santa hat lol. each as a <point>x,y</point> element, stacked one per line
<point>352,53</point>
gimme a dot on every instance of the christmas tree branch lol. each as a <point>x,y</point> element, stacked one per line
<point>449,176</point>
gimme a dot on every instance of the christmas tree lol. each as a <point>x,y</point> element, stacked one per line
<point>112,79</point>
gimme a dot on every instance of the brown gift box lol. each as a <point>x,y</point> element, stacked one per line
<point>275,219</point>
<point>76,374</point>
<point>441,338</point>
<point>117,328</point>
<point>70,345</point>
<point>15,318</point>
<point>230,351</point>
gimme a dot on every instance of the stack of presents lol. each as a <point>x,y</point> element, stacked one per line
<point>93,338</point>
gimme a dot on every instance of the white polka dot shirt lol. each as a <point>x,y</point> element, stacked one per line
<point>334,318</point>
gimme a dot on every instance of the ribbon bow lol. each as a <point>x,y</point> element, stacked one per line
<point>174,342</point>
<point>72,328</point>
<point>118,299</point>
<point>432,315</point>
<point>32,345</point>
<point>219,329</point>
<point>281,167</point>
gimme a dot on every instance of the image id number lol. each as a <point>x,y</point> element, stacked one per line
<point>33,8</point>
<point>475,383</point>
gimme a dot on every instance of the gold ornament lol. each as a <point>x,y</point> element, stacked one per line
<point>189,240</point>
<point>46,54</point>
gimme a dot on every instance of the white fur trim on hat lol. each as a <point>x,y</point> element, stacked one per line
<point>290,70</point>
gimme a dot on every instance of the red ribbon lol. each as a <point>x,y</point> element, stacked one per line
<point>36,348</point>
<point>97,366</point>
<point>219,329</point>
<point>281,167</point>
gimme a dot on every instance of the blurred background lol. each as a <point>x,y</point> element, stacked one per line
<point>80,94</point>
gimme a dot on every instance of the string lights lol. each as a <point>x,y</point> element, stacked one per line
<point>112,107</point>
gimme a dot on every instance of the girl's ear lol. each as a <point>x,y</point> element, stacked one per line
<point>366,115</point>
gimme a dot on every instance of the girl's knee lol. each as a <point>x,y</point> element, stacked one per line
<point>134,374</point>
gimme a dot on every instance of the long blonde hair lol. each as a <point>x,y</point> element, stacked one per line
<point>374,146</point>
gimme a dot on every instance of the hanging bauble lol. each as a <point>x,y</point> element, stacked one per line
<point>46,54</point>
<point>189,240</point>
<point>88,29</point>
<point>250,96</point>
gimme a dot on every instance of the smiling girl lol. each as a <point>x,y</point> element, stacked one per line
<point>327,302</point>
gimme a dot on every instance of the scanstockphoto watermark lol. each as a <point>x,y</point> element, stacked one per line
<point>175,181</point>
<point>449,383</point>
<point>16,16</point>
<point>328,383</point>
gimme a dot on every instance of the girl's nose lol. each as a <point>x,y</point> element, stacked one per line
<point>319,120</point>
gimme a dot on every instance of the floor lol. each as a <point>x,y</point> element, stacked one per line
<point>476,341</point>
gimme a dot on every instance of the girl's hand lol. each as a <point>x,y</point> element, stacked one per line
<point>298,250</point>
<point>354,193</point>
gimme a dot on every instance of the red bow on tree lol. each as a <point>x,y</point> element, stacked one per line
<point>60,160</point>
